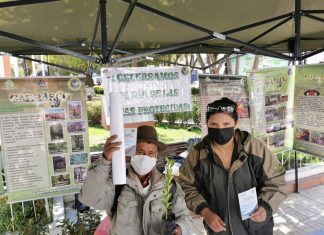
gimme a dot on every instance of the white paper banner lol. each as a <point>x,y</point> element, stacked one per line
<point>117,128</point>
<point>149,90</point>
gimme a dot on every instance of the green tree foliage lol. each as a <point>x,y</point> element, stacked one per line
<point>68,61</point>
<point>94,112</point>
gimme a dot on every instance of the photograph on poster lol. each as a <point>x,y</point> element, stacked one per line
<point>79,158</point>
<point>59,163</point>
<point>79,174</point>
<point>272,100</point>
<point>54,114</point>
<point>75,109</point>
<point>302,134</point>
<point>280,126</point>
<point>317,137</point>
<point>312,93</point>
<point>277,139</point>
<point>95,157</point>
<point>76,126</point>
<point>60,147</point>
<point>56,131</point>
<point>60,180</point>
<point>242,107</point>
<point>284,98</point>
<point>275,114</point>
<point>77,143</point>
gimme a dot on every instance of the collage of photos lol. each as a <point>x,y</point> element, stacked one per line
<point>60,149</point>
<point>275,114</point>
<point>275,99</point>
<point>315,137</point>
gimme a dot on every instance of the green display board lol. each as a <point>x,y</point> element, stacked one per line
<point>44,131</point>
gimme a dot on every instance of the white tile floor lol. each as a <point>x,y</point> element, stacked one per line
<point>301,214</point>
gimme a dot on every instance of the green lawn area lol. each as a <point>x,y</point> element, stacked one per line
<point>167,134</point>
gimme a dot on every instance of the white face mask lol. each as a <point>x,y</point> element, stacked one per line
<point>143,164</point>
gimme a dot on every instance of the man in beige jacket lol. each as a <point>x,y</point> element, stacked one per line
<point>139,207</point>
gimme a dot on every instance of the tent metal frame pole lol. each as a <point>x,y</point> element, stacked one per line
<point>309,38</point>
<point>122,26</point>
<point>24,2</point>
<point>95,30</point>
<point>170,17</point>
<point>164,49</point>
<point>262,50</point>
<point>314,11</point>
<point>97,45</point>
<point>175,63</point>
<point>50,64</point>
<point>104,36</point>
<point>312,53</point>
<point>221,35</point>
<point>217,61</point>
<point>271,29</point>
<point>257,24</point>
<point>48,47</point>
<point>298,13</point>
<point>277,43</point>
<point>314,17</point>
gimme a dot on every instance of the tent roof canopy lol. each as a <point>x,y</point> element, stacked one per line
<point>137,28</point>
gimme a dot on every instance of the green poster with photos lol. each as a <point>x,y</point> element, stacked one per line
<point>309,109</point>
<point>44,131</point>
<point>272,106</point>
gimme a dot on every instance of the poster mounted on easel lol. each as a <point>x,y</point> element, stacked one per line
<point>272,106</point>
<point>213,87</point>
<point>309,109</point>
<point>44,131</point>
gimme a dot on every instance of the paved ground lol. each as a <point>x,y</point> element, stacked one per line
<point>301,214</point>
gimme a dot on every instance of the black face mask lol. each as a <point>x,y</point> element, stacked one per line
<point>220,135</point>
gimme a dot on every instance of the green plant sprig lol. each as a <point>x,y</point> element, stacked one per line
<point>166,195</point>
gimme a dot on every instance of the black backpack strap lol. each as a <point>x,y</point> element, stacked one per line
<point>118,189</point>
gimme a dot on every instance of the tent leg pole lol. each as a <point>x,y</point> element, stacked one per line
<point>104,37</point>
<point>297,53</point>
<point>296,172</point>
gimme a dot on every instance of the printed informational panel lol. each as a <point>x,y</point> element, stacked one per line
<point>44,130</point>
<point>214,87</point>
<point>309,109</point>
<point>1,180</point>
<point>149,90</point>
<point>272,106</point>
